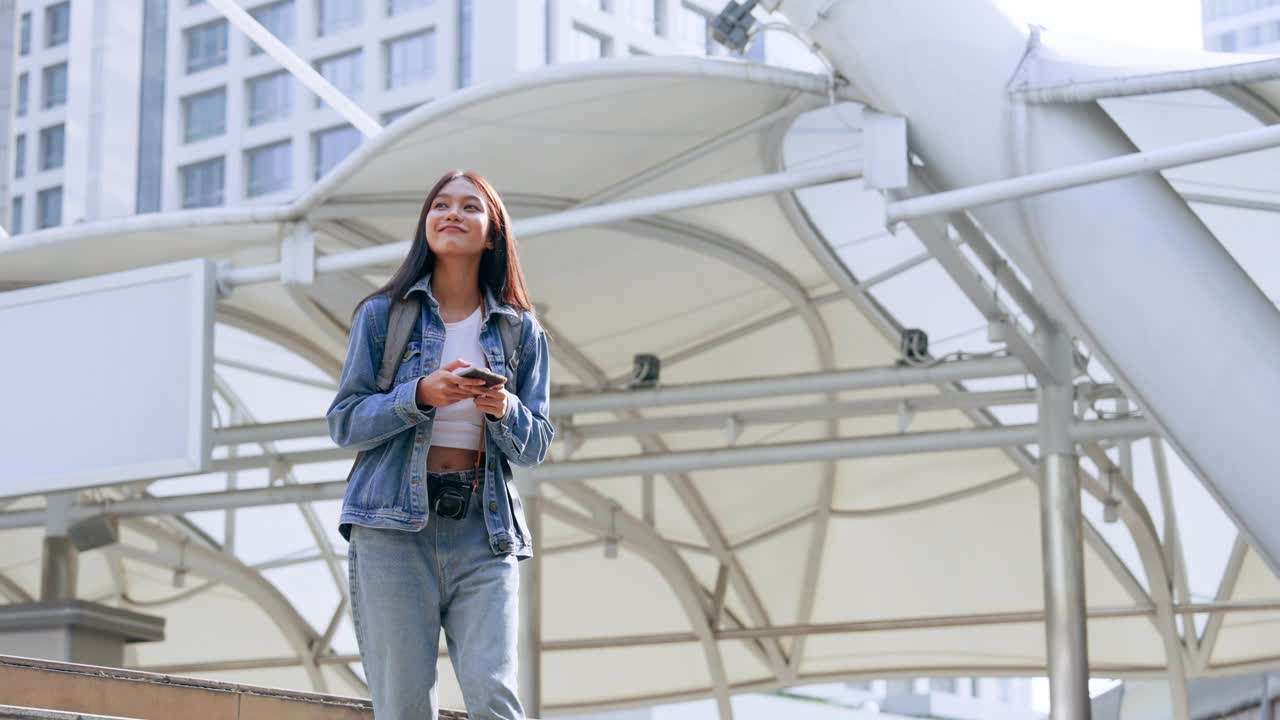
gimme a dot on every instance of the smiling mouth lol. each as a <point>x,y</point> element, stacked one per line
<point>453,228</point>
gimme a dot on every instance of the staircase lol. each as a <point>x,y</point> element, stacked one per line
<point>46,690</point>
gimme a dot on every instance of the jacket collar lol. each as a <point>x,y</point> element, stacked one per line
<point>491,304</point>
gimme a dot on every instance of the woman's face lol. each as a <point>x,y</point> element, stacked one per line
<point>458,220</point>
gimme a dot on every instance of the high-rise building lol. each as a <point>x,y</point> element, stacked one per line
<point>123,108</point>
<point>1241,25</point>
<point>73,112</point>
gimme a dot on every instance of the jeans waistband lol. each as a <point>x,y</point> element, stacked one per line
<point>452,475</point>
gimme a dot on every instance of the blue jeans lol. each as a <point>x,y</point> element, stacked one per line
<point>406,585</point>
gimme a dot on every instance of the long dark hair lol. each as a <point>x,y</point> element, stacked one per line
<point>500,271</point>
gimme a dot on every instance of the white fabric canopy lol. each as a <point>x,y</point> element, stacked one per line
<point>922,538</point>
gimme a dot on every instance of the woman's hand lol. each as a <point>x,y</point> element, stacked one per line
<point>492,401</point>
<point>442,387</point>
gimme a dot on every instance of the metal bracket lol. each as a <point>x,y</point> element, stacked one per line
<point>298,255</point>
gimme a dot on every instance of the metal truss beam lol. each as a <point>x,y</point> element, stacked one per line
<point>318,428</point>
<point>299,68</point>
<point>638,208</point>
<point>1006,436</point>
<point>1139,163</point>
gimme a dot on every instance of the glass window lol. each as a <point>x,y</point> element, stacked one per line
<point>410,59</point>
<point>24,34</point>
<point>206,45</point>
<point>53,142</point>
<point>20,156</point>
<point>55,85</point>
<point>345,71</point>
<point>270,168</point>
<point>15,217</point>
<point>1253,36</point>
<point>202,183</point>
<point>49,208</point>
<point>395,7</point>
<point>391,116</point>
<point>270,97</point>
<point>644,14</point>
<point>276,17</point>
<point>204,115</point>
<point>694,28</point>
<point>330,147</point>
<point>24,88</point>
<point>336,15</point>
<point>1227,42</point>
<point>588,44</point>
<point>465,43</point>
<point>57,24</point>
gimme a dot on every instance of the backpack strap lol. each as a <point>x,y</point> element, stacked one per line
<point>512,332</point>
<point>401,319</point>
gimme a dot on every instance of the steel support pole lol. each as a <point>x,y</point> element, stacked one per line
<point>530,633</point>
<point>61,561</point>
<point>1062,538</point>
<point>1264,705</point>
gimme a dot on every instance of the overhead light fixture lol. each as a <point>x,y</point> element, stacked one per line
<point>732,27</point>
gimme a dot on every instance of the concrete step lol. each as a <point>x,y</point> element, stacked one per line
<point>115,693</point>
<point>13,712</point>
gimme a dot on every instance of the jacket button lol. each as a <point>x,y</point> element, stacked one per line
<point>493,507</point>
<point>504,545</point>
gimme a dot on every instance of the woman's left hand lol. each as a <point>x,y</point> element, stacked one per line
<point>492,401</point>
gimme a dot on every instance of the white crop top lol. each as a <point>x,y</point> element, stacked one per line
<point>458,425</point>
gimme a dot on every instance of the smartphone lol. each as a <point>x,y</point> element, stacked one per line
<point>490,378</point>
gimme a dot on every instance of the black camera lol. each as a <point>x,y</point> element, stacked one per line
<point>450,499</point>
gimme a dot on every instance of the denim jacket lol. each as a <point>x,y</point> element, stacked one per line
<point>388,488</point>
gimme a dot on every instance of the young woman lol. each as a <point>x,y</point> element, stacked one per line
<point>435,527</point>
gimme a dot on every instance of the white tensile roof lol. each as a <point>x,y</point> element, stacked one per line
<point>937,542</point>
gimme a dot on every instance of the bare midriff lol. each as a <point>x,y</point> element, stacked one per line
<point>447,459</point>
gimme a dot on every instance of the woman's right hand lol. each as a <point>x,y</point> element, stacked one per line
<point>442,387</point>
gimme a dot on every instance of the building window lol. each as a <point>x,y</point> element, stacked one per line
<point>345,71</point>
<point>15,218</point>
<point>57,24</point>
<point>55,85</point>
<point>1214,9</point>
<point>410,59</point>
<point>465,23</point>
<point>19,156</point>
<point>269,168</point>
<point>395,7</point>
<point>53,143</point>
<point>337,15</point>
<point>588,44</point>
<point>1227,42</point>
<point>206,45</point>
<point>644,14</point>
<point>24,34</point>
<point>391,116</point>
<point>49,208</point>
<point>204,115</point>
<point>694,28</point>
<point>330,147</point>
<point>202,183</point>
<point>24,88</point>
<point>270,97</point>
<point>277,18</point>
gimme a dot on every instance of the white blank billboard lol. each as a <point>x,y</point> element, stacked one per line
<point>106,379</point>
